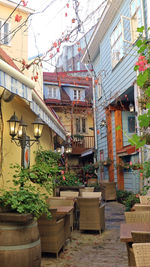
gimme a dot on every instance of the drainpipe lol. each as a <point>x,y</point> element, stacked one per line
<point>94,110</point>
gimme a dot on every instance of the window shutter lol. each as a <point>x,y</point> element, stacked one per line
<point>126,29</point>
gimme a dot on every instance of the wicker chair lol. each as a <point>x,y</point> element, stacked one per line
<point>92,215</point>
<point>52,234</point>
<point>62,201</point>
<point>138,237</point>
<point>86,189</point>
<point>137,217</point>
<point>70,194</point>
<point>142,254</point>
<point>91,194</point>
<point>145,199</point>
<point>139,207</point>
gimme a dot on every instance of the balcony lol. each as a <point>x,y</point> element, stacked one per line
<point>79,145</point>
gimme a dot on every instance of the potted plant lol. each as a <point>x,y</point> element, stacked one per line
<point>89,173</point>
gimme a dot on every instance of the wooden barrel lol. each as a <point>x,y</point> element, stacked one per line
<point>19,241</point>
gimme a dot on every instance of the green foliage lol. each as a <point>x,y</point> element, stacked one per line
<point>67,179</point>
<point>122,195</point>
<point>24,200</point>
<point>130,201</point>
<point>143,80</point>
<point>25,196</point>
<point>127,198</point>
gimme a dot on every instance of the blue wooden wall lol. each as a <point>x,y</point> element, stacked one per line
<point>114,83</point>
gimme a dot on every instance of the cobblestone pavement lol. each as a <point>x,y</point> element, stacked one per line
<point>92,249</point>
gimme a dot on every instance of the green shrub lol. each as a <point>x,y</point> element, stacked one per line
<point>122,195</point>
<point>130,201</point>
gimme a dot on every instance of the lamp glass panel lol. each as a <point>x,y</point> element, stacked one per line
<point>38,130</point>
<point>13,127</point>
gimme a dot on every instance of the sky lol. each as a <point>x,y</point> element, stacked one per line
<point>50,21</point>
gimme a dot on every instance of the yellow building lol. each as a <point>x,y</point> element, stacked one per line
<point>71,98</point>
<point>18,92</point>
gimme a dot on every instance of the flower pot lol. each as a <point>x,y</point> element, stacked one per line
<point>19,240</point>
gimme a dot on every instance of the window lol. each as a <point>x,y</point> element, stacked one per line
<point>77,94</point>
<point>131,125</point>
<point>136,18</point>
<point>4,33</point>
<point>51,92</point>
<point>80,125</point>
<point>130,25</point>
<point>116,45</point>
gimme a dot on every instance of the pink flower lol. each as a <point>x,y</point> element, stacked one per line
<point>64,178</point>
<point>62,172</point>
<point>130,163</point>
<point>24,2</point>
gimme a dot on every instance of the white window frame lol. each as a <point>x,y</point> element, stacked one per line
<point>2,33</point>
<point>80,119</point>
<point>133,38</point>
<point>117,60</point>
<point>53,94</point>
<point>76,94</point>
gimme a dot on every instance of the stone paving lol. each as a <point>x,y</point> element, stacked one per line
<point>92,249</point>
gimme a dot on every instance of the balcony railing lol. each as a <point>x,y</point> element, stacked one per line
<point>79,145</point>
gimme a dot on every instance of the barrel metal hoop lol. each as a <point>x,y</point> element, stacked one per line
<point>29,245</point>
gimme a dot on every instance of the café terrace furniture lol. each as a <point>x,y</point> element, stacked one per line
<point>142,254</point>
<point>92,214</point>
<point>142,207</point>
<point>62,201</point>
<point>91,194</point>
<point>126,230</point>
<point>108,190</point>
<point>54,232</point>
<point>144,199</point>
<point>86,189</point>
<point>69,193</point>
<point>137,237</point>
<point>137,217</point>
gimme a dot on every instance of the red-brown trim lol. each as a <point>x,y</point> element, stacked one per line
<point>119,145</point>
<point>110,144</point>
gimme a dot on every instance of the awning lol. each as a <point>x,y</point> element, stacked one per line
<point>15,82</point>
<point>39,108</point>
<point>87,152</point>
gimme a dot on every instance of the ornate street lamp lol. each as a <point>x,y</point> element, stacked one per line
<point>18,128</point>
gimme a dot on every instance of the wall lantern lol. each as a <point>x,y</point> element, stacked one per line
<point>18,128</point>
<point>103,123</point>
<point>131,108</point>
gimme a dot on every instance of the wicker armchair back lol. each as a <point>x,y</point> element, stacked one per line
<point>142,254</point>
<point>92,215</point>
<point>137,216</point>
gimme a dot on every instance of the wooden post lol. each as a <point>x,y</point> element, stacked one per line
<point>110,144</point>
<point>119,145</point>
